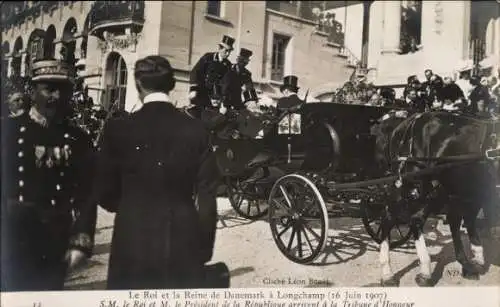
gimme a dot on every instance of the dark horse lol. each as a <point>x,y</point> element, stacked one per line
<point>429,140</point>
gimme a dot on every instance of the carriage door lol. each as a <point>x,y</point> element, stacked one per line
<point>116,82</point>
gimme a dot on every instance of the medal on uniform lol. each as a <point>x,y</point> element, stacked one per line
<point>39,154</point>
<point>50,161</point>
<point>57,154</point>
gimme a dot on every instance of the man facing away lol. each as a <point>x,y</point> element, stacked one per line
<point>289,89</point>
<point>154,168</point>
<point>205,89</point>
<point>48,168</point>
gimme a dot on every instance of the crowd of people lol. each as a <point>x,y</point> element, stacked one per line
<point>473,94</point>
<point>154,167</point>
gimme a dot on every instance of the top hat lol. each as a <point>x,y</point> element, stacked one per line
<point>227,42</point>
<point>245,53</point>
<point>290,82</point>
<point>250,95</point>
<point>52,70</point>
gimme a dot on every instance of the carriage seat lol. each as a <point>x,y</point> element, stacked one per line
<point>261,159</point>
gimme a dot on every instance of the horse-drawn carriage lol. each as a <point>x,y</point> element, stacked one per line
<point>303,166</point>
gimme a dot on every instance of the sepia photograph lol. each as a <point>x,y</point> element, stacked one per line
<point>238,145</point>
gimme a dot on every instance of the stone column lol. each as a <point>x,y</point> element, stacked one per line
<point>392,26</point>
<point>23,71</point>
<point>10,58</point>
<point>78,50</point>
<point>496,39</point>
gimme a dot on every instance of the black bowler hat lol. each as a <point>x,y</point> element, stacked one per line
<point>290,82</point>
<point>245,53</point>
<point>250,95</point>
<point>227,42</point>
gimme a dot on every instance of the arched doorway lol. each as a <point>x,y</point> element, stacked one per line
<point>35,49</point>
<point>48,44</point>
<point>115,82</point>
<point>69,42</point>
<point>16,57</point>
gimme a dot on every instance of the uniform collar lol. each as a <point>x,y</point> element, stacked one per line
<point>157,96</point>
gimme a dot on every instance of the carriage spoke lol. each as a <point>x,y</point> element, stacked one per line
<point>299,241</point>
<point>258,207</point>
<point>291,239</point>
<point>285,194</point>
<point>399,231</point>
<point>318,237</point>
<point>287,209</point>
<point>249,207</point>
<point>379,230</point>
<point>307,238</point>
<point>285,229</point>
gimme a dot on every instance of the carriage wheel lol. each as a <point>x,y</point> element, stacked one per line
<point>246,199</point>
<point>298,218</point>
<point>374,213</point>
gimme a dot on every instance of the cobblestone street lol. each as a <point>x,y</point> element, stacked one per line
<point>350,258</point>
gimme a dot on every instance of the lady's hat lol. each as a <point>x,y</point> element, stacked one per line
<point>250,95</point>
<point>52,70</point>
<point>227,42</point>
<point>290,82</point>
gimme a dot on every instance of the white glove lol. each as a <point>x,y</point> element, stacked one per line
<point>74,258</point>
<point>223,109</point>
<point>192,95</point>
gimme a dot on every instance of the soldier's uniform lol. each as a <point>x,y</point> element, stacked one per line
<point>236,81</point>
<point>205,77</point>
<point>46,174</point>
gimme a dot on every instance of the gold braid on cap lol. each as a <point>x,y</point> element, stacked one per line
<point>52,70</point>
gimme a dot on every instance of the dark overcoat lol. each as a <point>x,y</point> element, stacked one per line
<point>206,76</point>
<point>46,175</point>
<point>289,102</point>
<point>232,84</point>
<point>150,166</point>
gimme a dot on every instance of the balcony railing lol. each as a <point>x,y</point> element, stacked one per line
<point>17,12</point>
<point>301,9</point>
<point>110,15</point>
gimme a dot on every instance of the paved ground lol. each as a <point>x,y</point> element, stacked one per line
<point>350,257</point>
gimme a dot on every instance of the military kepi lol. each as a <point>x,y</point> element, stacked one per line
<point>52,70</point>
<point>227,42</point>
<point>290,82</point>
<point>245,53</point>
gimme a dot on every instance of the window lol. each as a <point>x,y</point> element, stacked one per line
<point>116,82</point>
<point>280,44</point>
<point>411,26</point>
<point>214,8</point>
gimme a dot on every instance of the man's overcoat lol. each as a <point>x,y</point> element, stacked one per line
<point>151,164</point>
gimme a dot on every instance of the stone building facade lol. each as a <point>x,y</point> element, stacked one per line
<point>109,36</point>
<point>396,39</point>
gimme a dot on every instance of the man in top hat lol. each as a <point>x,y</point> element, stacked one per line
<point>289,89</point>
<point>205,78</point>
<point>48,170</point>
<point>153,167</point>
<point>237,84</point>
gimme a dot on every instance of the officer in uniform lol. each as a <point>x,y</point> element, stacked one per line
<point>289,89</point>
<point>48,169</point>
<point>205,78</point>
<point>238,80</point>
